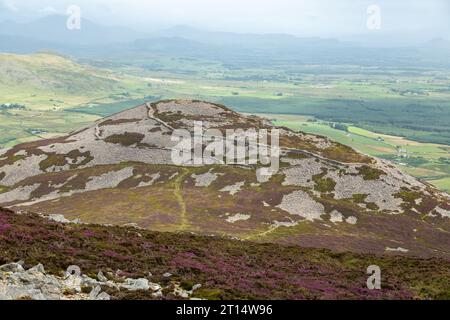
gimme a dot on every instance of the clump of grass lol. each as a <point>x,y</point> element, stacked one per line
<point>127,139</point>
<point>292,155</point>
<point>369,173</point>
<point>372,206</point>
<point>11,160</point>
<point>346,154</point>
<point>3,189</point>
<point>59,160</point>
<point>408,195</point>
<point>187,284</point>
<point>324,185</point>
<point>111,122</point>
<point>209,294</point>
<point>359,198</point>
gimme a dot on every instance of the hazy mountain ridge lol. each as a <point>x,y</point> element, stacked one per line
<point>95,41</point>
<point>53,29</point>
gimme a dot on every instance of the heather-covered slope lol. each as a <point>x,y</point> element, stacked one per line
<point>119,171</point>
<point>225,269</point>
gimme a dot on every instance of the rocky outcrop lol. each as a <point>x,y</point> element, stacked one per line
<point>16,283</point>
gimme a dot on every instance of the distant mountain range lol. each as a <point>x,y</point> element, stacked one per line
<point>106,42</point>
<point>53,29</point>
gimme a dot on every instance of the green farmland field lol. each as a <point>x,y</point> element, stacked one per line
<point>426,161</point>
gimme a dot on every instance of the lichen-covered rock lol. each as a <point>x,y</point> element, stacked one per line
<point>301,204</point>
<point>16,283</point>
<point>135,284</point>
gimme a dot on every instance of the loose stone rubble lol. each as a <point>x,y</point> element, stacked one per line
<point>238,217</point>
<point>205,179</point>
<point>16,283</point>
<point>301,204</point>
<point>233,189</point>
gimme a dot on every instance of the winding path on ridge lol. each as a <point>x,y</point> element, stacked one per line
<point>178,192</point>
<point>151,115</point>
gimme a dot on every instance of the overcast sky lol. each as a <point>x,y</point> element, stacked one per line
<point>325,18</point>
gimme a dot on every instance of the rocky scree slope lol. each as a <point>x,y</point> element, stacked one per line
<point>119,171</point>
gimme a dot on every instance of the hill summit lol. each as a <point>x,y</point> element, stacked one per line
<point>120,171</point>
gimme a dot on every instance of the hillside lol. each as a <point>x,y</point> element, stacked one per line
<point>35,80</point>
<point>119,171</point>
<point>46,85</point>
<point>181,266</point>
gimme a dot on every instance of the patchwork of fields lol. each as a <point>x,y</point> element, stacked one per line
<point>427,161</point>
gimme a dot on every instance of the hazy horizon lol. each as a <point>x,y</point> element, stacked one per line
<point>401,20</point>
